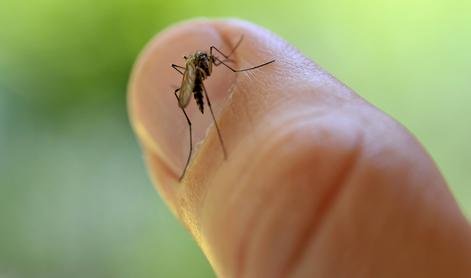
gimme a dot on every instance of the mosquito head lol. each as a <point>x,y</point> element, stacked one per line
<point>204,61</point>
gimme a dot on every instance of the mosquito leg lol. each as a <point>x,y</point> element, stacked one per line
<point>178,68</point>
<point>215,124</point>
<point>230,53</point>
<point>240,70</point>
<point>235,46</point>
<point>217,62</point>
<point>191,140</point>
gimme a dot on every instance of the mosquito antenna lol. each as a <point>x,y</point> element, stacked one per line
<point>240,70</point>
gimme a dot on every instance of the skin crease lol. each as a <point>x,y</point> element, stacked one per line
<point>318,183</point>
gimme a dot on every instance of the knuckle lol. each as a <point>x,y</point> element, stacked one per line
<point>299,173</point>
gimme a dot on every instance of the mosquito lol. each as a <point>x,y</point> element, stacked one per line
<point>198,67</point>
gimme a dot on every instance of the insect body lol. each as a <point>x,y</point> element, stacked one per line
<point>198,67</point>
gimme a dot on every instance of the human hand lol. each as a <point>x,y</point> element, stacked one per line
<point>318,183</point>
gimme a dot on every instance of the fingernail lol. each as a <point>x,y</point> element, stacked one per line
<point>158,121</point>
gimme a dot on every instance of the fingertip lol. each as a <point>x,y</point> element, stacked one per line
<point>154,114</point>
<point>153,110</point>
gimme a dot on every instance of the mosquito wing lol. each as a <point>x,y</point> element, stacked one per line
<point>187,86</point>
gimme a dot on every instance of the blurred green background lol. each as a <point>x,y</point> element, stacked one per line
<point>75,200</point>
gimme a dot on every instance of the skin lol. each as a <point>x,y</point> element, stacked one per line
<point>318,182</point>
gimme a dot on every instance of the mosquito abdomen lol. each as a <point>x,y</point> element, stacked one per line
<point>198,93</point>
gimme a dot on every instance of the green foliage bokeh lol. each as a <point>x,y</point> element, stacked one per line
<point>75,200</point>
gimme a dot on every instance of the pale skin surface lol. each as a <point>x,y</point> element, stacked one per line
<point>318,183</point>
